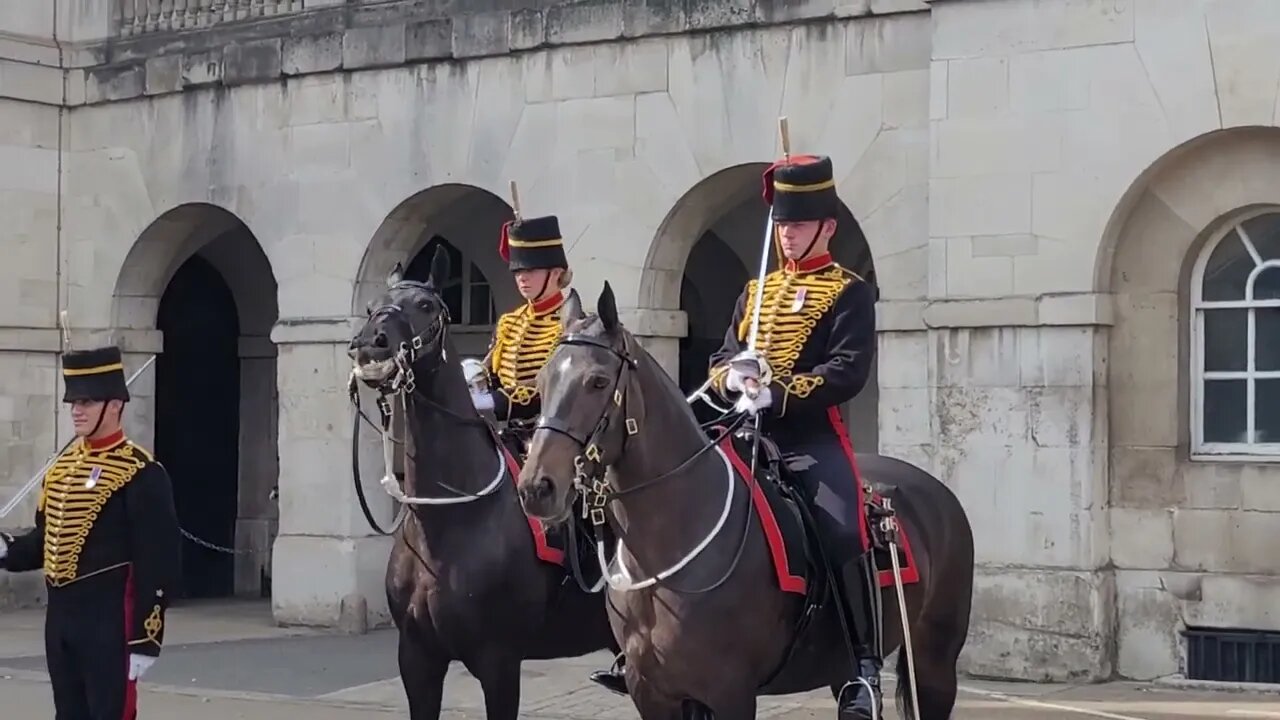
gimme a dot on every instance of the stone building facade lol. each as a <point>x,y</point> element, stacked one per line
<point>1071,209</point>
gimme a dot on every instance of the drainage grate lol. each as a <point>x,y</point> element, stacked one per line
<point>1233,655</point>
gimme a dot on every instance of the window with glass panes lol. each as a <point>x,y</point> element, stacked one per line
<point>470,284</point>
<point>1235,339</point>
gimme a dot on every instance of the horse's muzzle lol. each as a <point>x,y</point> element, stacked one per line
<point>538,498</point>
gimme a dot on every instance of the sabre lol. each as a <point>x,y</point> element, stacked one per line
<point>758,301</point>
<point>753,389</point>
<point>35,479</point>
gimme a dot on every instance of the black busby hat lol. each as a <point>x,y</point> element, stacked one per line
<point>802,187</point>
<point>94,375</point>
<point>533,243</point>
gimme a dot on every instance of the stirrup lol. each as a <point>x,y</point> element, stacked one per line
<point>877,702</point>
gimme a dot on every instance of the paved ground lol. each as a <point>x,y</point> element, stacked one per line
<point>228,661</point>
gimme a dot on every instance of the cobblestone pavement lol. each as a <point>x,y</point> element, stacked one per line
<point>228,661</point>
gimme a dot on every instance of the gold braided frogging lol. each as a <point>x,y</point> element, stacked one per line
<point>71,509</point>
<point>523,342</point>
<point>783,333</point>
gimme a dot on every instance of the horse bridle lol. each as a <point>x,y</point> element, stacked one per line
<point>403,383</point>
<point>407,355</point>
<point>589,465</point>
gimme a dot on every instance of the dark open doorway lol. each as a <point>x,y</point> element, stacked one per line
<point>713,279</point>
<point>198,420</point>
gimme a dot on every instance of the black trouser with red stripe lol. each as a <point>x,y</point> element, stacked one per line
<point>833,488</point>
<point>85,637</point>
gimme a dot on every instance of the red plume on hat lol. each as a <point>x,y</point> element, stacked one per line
<point>504,241</point>
<point>768,173</point>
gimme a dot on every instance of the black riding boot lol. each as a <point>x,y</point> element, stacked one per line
<point>860,698</point>
<point>612,679</point>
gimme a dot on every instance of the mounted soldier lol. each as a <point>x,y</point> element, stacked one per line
<point>524,338</point>
<point>815,344</point>
<point>107,537</point>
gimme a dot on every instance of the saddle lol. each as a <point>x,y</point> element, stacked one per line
<point>781,469</point>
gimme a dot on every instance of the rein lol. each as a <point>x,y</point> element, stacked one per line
<point>590,469</point>
<point>403,385</point>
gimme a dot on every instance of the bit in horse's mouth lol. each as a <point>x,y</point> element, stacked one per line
<point>375,372</point>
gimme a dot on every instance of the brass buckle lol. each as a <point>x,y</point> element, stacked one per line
<point>593,453</point>
<point>633,427</point>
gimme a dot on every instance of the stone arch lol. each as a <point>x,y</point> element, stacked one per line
<point>716,230</point>
<point>197,282</point>
<point>469,218</point>
<point>1154,239</point>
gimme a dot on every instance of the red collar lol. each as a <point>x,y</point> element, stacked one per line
<point>810,264</point>
<point>548,304</point>
<point>105,442</point>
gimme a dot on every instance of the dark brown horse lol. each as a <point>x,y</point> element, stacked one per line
<point>718,631</point>
<point>463,581</point>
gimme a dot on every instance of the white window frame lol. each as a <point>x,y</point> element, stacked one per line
<point>464,323</point>
<point>1219,451</point>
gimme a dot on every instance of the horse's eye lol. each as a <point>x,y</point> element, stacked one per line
<point>599,383</point>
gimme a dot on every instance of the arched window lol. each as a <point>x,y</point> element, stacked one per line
<point>473,286</point>
<point>1235,336</point>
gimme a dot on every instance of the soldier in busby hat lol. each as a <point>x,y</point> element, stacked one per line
<point>815,345</point>
<point>524,337</point>
<point>108,541</point>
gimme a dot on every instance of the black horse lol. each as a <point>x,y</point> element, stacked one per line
<point>720,630</point>
<point>464,580</point>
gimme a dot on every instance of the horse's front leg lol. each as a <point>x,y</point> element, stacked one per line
<point>498,671</point>
<point>422,670</point>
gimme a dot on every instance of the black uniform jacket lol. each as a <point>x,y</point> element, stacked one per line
<point>107,509</point>
<point>817,331</point>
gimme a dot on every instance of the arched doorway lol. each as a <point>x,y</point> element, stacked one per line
<point>719,227</point>
<point>198,420</point>
<point>198,276</point>
<point>713,279</point>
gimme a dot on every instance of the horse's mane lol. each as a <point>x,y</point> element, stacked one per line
<point>592,326</point>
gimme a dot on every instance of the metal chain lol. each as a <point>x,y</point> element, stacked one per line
<point>211,546</point>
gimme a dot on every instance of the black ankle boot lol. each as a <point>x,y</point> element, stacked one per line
<point>861,699</point>
<point>612,679</point>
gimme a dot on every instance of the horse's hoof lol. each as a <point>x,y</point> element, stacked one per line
<point>611,681</point>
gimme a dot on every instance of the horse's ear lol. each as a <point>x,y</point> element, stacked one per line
<point>439,268</point>
<point>571,311</point>
<point>607,308</point>
<point>396,275</point>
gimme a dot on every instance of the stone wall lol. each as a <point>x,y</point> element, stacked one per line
<point>1050,122</point>
<point>319,166</point>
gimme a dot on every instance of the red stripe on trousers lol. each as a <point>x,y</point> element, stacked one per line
<point>131,686</point>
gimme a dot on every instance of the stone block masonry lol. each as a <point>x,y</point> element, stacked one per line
<point>333,38</point>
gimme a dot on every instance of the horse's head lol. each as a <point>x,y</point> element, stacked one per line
<point>405,329</point>
<point>583,388</point>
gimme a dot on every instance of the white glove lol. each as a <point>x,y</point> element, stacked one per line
<point>482,400</point>
<point>139,665</point>
<point>4,547</point>
<point>473,374</point>
<point>747,405</point>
